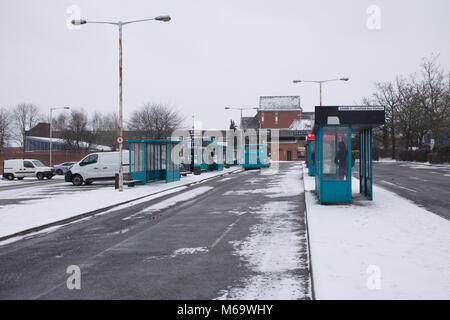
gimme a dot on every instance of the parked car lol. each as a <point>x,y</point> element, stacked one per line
<point>62,168</point>
<point>97,166</point>
<point>21,168</point>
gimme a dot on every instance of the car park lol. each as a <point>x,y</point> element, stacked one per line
<point>62,168</point>
<point>96,167</point>
<point>21,168</point>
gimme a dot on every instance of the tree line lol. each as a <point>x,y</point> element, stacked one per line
<point>80,131</point>
<point>416,106</point>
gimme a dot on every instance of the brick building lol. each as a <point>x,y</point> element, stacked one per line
<point>285,114</point>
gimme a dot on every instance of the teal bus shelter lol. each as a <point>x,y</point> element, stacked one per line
<point>333,129</point>
<point>214,159</point>
<point>151,160</point>
<point>310,154</point>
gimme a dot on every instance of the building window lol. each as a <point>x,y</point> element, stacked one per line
<point>276,117</point>
<point>262,117</point>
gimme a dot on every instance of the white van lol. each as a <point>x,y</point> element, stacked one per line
<point>97,166</point>
<point>21,168</point>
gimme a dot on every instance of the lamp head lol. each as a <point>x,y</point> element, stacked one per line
<point>78,22</point>
<point>164,18</point>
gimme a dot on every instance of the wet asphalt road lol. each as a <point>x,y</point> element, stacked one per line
<point>426,185</point>
<point>187,251</point>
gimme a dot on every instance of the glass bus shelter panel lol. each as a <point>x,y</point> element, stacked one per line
<point>311,157</point>
<point>335,164</point>
<point>137,162</point>
<point>154,162</point>
<point>172,171</point>
<point>318,157</point>
<point>365,166</point>
<point>335,153</point>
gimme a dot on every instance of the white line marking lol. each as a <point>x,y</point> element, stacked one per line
<point>396,185</point>
<point>227,230</point>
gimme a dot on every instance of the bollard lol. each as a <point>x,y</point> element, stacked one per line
<point>116,181</point>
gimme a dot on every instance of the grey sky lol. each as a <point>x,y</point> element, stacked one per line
<point>213,53</point>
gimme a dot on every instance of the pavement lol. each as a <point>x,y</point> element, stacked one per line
<point>238,237</point>
<point>425,185</point>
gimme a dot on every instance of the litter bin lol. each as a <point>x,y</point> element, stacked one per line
<point>197,170</point>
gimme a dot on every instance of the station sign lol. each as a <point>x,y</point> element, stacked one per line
<point>361,108</point>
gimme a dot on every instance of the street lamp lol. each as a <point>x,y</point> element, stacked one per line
<point>163,18</point>
<point>234,108</point>
<point>51,131</point>
<point>320,83</point>
<point>228,108</point>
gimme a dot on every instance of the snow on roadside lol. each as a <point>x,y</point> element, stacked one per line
<point>19,217</point>
<point>275,249</point>
<point>391,237</point>
<point>275,255</point>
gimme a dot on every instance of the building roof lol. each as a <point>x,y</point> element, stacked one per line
<point>302,125</point>
<point>58,141</point>
<point>279,103</point>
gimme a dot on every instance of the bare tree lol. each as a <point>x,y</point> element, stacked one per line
<point>433,90</point>
<point>105,128</point>
<point>387,95</point>
<point>410,117</point>
<point>76,134</point>
<point>25,117</point>
<point>155,121</point>
<point>59,124</point>
<point>5,125</point>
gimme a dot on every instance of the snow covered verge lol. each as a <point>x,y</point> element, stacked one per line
<point>276,249</point>
<point>420,165</point>
<point>388,248</point>
<point>40,212</point>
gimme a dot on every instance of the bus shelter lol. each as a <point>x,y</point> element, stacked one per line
<point>152,160</point>
<point>209,155</point>
<point>333,129</point>
<point>310,153</point>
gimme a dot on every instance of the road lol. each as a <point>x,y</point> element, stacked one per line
<point>239,237</point>
<point>426,185</point>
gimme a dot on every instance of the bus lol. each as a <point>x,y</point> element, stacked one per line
<point>254,156</point>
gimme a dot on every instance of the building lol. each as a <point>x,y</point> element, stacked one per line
<point>285,114</point>
<point>278,112</point>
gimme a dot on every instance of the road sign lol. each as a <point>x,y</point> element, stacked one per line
<point>119,140</point>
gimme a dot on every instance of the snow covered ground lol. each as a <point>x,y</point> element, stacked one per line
<point>55,207</point>
<point>418,165</point>
<point>27,180</point>
<point>275,249</point>
<point>387,248</point>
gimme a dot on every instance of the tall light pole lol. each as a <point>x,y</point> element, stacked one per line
<point>51,130</point>
<point>233,108</point>
<point>240,125</point>
<point>164,18</point>
<point>320,82</point>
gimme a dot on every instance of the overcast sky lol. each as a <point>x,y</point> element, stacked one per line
<point>214,53</point>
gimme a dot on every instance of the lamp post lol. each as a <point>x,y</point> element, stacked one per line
<point>320,82</point>
<point>51,131</point>
<point>120,24</point>
<point>240,125</point>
